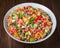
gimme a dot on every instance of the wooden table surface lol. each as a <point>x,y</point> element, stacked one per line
<point>8,42</point>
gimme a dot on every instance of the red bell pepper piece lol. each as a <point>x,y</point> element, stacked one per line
<point>31,30</point>
<point>38,18</point>
<point>38,30</point>
<point>13,30</point>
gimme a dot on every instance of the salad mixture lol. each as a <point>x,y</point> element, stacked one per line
<point>29,24</point>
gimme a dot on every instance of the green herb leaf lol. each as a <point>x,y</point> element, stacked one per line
<point>21,15</point>
<point>32,25</point>
<point>16,25</point>
<point>31,20</point>
<point>34,8</point>
<point>48,33</point>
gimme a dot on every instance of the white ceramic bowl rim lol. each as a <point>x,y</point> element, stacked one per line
<point>48,11</point>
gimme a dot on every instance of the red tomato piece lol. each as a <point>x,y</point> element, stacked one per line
<point>44,24</point>
<point>43,19</point>
<point>26,29</point>
<point>42,30</point>
<point>21,22</point>
<point>36,15</point>
<point>20,38</point>
<point>29,6</point>
<point>12,30</point>
<point>16,19</point>
<point>29,11</point>
<point>25,9</point>
<point>38,18</point>
<point>9,17</point>
<point>31,30</point>
<point>38,30</point>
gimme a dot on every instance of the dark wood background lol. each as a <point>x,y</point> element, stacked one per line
<point>7,42</point>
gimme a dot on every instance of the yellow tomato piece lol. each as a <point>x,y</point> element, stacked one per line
<point>15,34</point>
<point>47,28</point>
<point>9,20</point>
<point>33,15</point>
<point>25,19</point>
<point>49,23</point>
<point>41,35</point>
<point>19,10</point>
<point>9,27</point>
<point>38,35</point>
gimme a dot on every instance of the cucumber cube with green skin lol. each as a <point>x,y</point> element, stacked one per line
<point>19,32</point>
<point>28,33</point>
<point>35,25</point>
<point>32,25</point>
<point>40,21</point>
<point>44,14</point>
<point>23,38</point>
<point>14,14</point>
<point>16,25</point>
<point>32,39</point>
<point>13,20</point>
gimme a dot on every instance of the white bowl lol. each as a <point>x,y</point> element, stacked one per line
<point>47,10</point>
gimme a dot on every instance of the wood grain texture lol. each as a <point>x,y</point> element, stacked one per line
<point>52,42</point>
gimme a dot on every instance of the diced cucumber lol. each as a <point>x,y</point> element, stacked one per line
<point>23,13</point>
<point>23,38</point>
<point>46,30</point>
<point>13,20</point>
<point>23,26</point>
<point>40,21</point>
<point>26,23</point>
<point>44,14</point>
<point>35,25</point>
<point>28,33</point>
<point>32,25</point>
<point>34,8</point>
<point>14,17</point>
<point>16,25</point>
<point>19,32</point>
<point>32,39</point>
<point>14,14</point>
